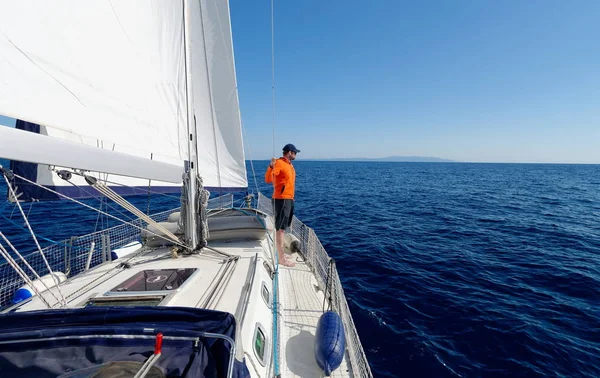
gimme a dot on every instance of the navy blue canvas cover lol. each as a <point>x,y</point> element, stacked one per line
<point>51,343</point>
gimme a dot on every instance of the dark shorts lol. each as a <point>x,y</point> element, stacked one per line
<point>283,210</point>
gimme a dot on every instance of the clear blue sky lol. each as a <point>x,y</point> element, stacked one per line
<point>498,81</point>
<point>493,81</point>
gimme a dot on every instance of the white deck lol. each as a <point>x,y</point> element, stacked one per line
<point>302,304</point>
<point>104,278</point>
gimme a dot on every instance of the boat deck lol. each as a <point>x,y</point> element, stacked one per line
<point>302,305</point>
<point>300,299</point>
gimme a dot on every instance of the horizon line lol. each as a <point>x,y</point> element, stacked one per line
<point>385,160</point>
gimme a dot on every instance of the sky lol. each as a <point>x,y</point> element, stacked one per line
<point>482,81</point>
<point>475,81</point>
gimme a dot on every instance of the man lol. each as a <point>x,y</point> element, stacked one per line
<point>282,174</point>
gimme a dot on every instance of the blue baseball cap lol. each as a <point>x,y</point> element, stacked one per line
<point>290,147</point>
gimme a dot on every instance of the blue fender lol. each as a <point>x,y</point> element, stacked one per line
<point>330,342</point>
<point>22,294</point>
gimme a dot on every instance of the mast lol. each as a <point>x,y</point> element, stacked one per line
<point>191,235</point>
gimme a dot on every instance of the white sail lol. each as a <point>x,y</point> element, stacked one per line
<point>111,71</point>
<point>221,159</point>
<point>112,75</point>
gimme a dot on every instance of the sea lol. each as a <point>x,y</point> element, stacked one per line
<point>450,269</point>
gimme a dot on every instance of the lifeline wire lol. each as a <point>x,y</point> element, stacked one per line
<point>56,282</point>
<point>94,209</point>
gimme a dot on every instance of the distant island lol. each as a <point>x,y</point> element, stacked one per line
<point>412,159</point>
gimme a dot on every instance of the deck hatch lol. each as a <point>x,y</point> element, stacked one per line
<point>147,300</point>
<point>155,280</point>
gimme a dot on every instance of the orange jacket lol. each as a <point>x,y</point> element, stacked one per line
<point>284,175</point>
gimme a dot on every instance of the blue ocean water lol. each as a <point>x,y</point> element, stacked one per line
<point>450,269</point>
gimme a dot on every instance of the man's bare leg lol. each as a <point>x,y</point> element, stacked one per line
<point>283,260</point>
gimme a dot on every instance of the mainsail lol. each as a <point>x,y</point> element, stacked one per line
<point>112,76</point>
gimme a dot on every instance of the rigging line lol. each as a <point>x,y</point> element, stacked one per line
<point>29,211</point>
<point>131,187</point>
<point>221,252</point>
<point>220,284</point>
<point>127,205</point>
<point>273,72</point>
<point>144,190</point>
<point>225,283</point>
<point>10,188</point>
<point>4,253</point>
<point>102,200</point>
<point>136,211</point>
<point>110,194</point>
<point>104,213</point>
<point>122,201</point>
<point>91,285</point>
<point>103,219</point>
<point>276,257</point>
<point>38,235</point>
<point>13,211</point>
<point>98,217</point>
<point>116,200</point>
<point>119,200</point>
<point>206,298</point>
<point>35,273</point>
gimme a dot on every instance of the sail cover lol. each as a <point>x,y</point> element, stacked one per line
<point>89,342</point>
<point>112,75</point>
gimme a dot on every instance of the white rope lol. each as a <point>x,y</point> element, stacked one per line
<point>94,209</point>
<point>145,369</point>
<point>140,191</point>
<point>21,273</point>
<point>111,194</point>
<point>99,198</point>
<point>56,282</point>
<point>107,181</point>
<point>108,192</point>
<point>103,203</point>
<point>35,273</point>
